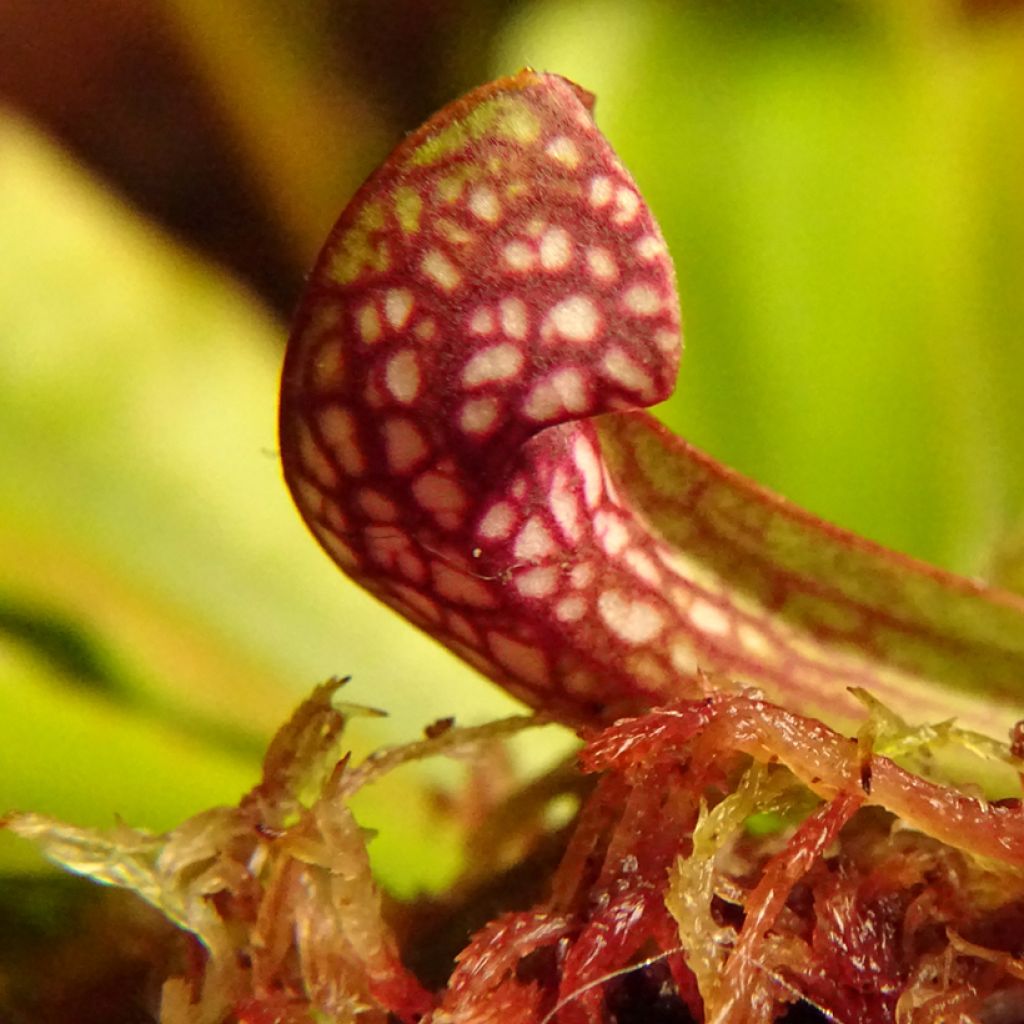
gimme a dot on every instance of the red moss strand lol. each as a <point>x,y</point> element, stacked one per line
<point>744,982</point>
<point>825,761</point>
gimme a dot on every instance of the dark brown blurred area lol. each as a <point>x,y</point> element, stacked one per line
<point>155,99</point>
<point>109,78</point>
<point>74,951</point>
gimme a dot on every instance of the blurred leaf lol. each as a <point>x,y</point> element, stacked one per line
<point>82,756</point>
<point>1007,568</point>
<point>142,512</point>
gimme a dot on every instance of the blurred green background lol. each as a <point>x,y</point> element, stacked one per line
<point>841,183</point>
